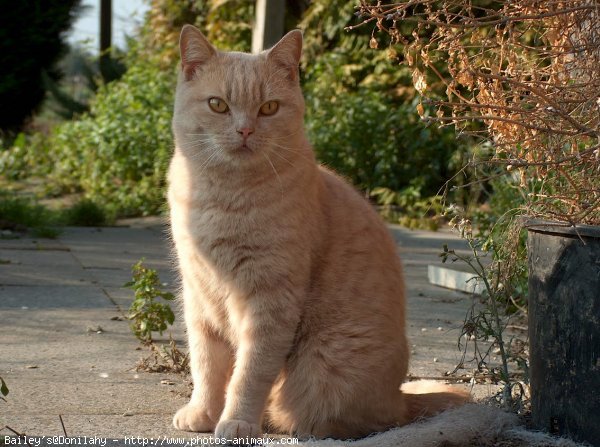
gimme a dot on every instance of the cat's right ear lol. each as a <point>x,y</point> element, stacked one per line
<point>195,50</point>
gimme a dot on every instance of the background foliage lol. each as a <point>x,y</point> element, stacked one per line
<point>360,114</point>
<point>30,46</point>
<point>118,153</point>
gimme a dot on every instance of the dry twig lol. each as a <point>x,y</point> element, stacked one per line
<point>528,71</point>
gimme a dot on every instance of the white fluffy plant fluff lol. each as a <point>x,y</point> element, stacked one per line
<point>467,426</point>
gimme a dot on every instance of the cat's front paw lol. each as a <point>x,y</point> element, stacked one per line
<point>193,418</point>
<point>235,428</point>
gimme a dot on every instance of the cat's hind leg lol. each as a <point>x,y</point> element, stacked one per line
<point>332,388</point>
<point>328,410</point>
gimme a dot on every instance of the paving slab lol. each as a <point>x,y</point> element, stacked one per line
<point>43,275</point>
<point>55,296</point>
<point>67,352</point>
<point>16,259</point>
<point>19,243</point>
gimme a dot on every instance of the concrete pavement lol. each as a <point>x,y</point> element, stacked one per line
<point>67,353</point>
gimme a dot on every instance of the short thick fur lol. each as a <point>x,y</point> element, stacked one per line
<point>292,288</point>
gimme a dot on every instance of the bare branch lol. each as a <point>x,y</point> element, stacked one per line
<point>526,72</point>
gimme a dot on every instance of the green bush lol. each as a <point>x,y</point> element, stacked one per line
<point>118,153</point>
<point>86,213</point>
<point>19,214</point>
<point>407,208</point>
<point>362,117</point>
<point>23,212</point>
<point>376,142</point>
<point>24,156</point>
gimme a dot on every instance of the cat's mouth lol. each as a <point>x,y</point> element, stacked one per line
<point>243,148</point>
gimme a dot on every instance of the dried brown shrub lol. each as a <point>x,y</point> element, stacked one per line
<point>164,358</point>
<point>529,71</point>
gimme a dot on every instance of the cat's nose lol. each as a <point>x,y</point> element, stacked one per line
<point>245,131</point>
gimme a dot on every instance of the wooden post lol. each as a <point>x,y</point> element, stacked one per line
<point>269,24</point>
<point>564,330</point>
<point>105,36</point>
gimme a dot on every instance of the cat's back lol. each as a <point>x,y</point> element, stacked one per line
<point>356,223</point>
<point>360,267</point>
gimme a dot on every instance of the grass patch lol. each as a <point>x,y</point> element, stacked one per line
<point>44,232</point>
<point>86,213</point>
<point>19,215</point>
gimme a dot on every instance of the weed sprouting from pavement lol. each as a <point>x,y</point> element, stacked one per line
<point>165,358</point>
<point>146,313</point>
<point>149,315</point>
<point>488,323</point>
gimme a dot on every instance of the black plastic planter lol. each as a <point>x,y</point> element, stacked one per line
<point>564,329</point>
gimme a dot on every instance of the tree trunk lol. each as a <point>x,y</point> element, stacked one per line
<point>269,24</point>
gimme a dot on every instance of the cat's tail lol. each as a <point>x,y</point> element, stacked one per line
<point>425,398</point>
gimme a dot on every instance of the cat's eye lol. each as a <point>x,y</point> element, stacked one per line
<point>218,105</point>
<point>269,108</point>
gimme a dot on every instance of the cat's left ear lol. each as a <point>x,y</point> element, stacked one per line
<point>287,52</point>
<point>195,50</point>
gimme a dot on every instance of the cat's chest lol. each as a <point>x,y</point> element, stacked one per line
<point>225,261</point>
<point>230,245</point>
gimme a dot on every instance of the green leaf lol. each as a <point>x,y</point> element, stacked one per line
<point>167,296</point>
<point>147,314</point>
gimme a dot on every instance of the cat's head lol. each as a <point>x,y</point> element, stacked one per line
<point>234,108</point>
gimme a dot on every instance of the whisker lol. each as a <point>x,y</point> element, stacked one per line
<point>194,144</point>
<point>202,154</point>
<point>275,171</point>
<point>212,148</point>
<point>201,138</point>
<point>204,165</point>
<point>286,136</point>
<point>293,151</point>
<point>198,145</point>
<point>282,157</point>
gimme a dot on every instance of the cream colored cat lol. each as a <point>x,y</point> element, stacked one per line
<point>292,289</point>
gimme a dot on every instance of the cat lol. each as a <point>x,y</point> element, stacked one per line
<point>292,288</point>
